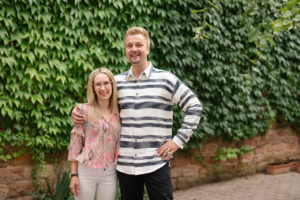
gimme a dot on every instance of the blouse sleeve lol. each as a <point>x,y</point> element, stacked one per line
<point>77,140</point>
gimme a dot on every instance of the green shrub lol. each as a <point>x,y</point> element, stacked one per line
<point>61,191</point>
<point>48,48</point>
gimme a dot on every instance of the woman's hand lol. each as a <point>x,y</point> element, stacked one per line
<point>74,186</point>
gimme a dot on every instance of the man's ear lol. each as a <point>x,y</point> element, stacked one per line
<point>148,48</point>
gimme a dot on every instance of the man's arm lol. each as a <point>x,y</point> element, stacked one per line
<point>76,116</point>
<point>191,105</point>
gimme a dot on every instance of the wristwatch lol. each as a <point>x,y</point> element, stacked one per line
<point>73,174</point>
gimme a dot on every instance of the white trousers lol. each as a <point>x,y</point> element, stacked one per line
<point>97,182</point>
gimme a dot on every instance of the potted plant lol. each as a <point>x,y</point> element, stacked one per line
<point>298,166</point>
<point>279,168</point>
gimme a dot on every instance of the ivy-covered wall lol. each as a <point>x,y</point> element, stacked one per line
<point>242,92</point>
<point>49,47</point>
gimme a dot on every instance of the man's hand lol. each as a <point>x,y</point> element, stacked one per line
<point>77,117</point>
<point>74,186</point>
<point>167,150</point>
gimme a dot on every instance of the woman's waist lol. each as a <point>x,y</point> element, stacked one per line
<point>96,161</point>
<point>90,166</point>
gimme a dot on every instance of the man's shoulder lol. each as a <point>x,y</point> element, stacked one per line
<point>156,70</point>
<point>164,74</point>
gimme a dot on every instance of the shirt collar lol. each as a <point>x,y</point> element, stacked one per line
<point>144,75</point>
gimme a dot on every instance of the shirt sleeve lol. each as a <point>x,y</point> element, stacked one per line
<point>190,104</point>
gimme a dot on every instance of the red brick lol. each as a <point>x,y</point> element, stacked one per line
<point>3,164</point>
<point>190,170</point>
<point>176,172</point>
<point>3,192</point>
<point>247,157</point>
<point>259,158</point>
<point>260,141</point>
<point>21,188</point>
<point>293,139</point>
<point>209,149</point>
<point>249,142</point>
<point>278,147</point>
<point>260,150</point>
<point>25,159</point>
<point>208,160</point>
<point>11,174</point>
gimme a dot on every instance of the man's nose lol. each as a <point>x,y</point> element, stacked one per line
<point>134,48</point>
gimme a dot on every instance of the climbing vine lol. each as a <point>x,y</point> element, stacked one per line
<point>48,48</point>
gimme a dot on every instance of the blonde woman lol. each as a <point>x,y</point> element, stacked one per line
<point>94,145</point>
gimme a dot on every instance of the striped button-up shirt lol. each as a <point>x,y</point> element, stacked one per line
<point>146,112</point>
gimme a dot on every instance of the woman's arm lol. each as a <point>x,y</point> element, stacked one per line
<point>74,182</point>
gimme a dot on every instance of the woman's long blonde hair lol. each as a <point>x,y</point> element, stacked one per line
<point>92,97</point>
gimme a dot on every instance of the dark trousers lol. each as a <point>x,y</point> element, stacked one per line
<point>158,185</point>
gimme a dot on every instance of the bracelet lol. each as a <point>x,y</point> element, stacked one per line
<point>71,175</point>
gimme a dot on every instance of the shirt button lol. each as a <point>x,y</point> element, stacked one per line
<point>137,94</point>
<point>135,140</point>
<point>135,155</point>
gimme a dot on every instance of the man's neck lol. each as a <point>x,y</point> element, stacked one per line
<point>138,69</point>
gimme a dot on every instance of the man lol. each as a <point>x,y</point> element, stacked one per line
<point>146,96</point>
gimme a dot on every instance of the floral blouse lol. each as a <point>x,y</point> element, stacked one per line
<point>95,145</point>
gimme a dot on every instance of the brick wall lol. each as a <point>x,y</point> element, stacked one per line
<point>16,180</point>
<point>278,145</point>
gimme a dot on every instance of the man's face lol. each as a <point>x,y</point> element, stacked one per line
<point>137,49</point>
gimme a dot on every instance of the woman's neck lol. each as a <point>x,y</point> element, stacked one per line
<point>104,105</point>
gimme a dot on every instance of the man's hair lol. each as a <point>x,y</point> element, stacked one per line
<point>138,30</point>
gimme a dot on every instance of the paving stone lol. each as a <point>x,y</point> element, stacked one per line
<point>255,187</point>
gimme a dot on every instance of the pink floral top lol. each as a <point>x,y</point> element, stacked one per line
<point>95,145</point>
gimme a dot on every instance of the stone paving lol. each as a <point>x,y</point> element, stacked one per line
<point>255,187</point>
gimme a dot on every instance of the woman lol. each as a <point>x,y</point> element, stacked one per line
<point>94,146</point>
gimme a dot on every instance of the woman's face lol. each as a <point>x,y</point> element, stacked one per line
<point>102,87</point>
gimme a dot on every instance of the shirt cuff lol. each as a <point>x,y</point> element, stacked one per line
<point>178,142</point>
